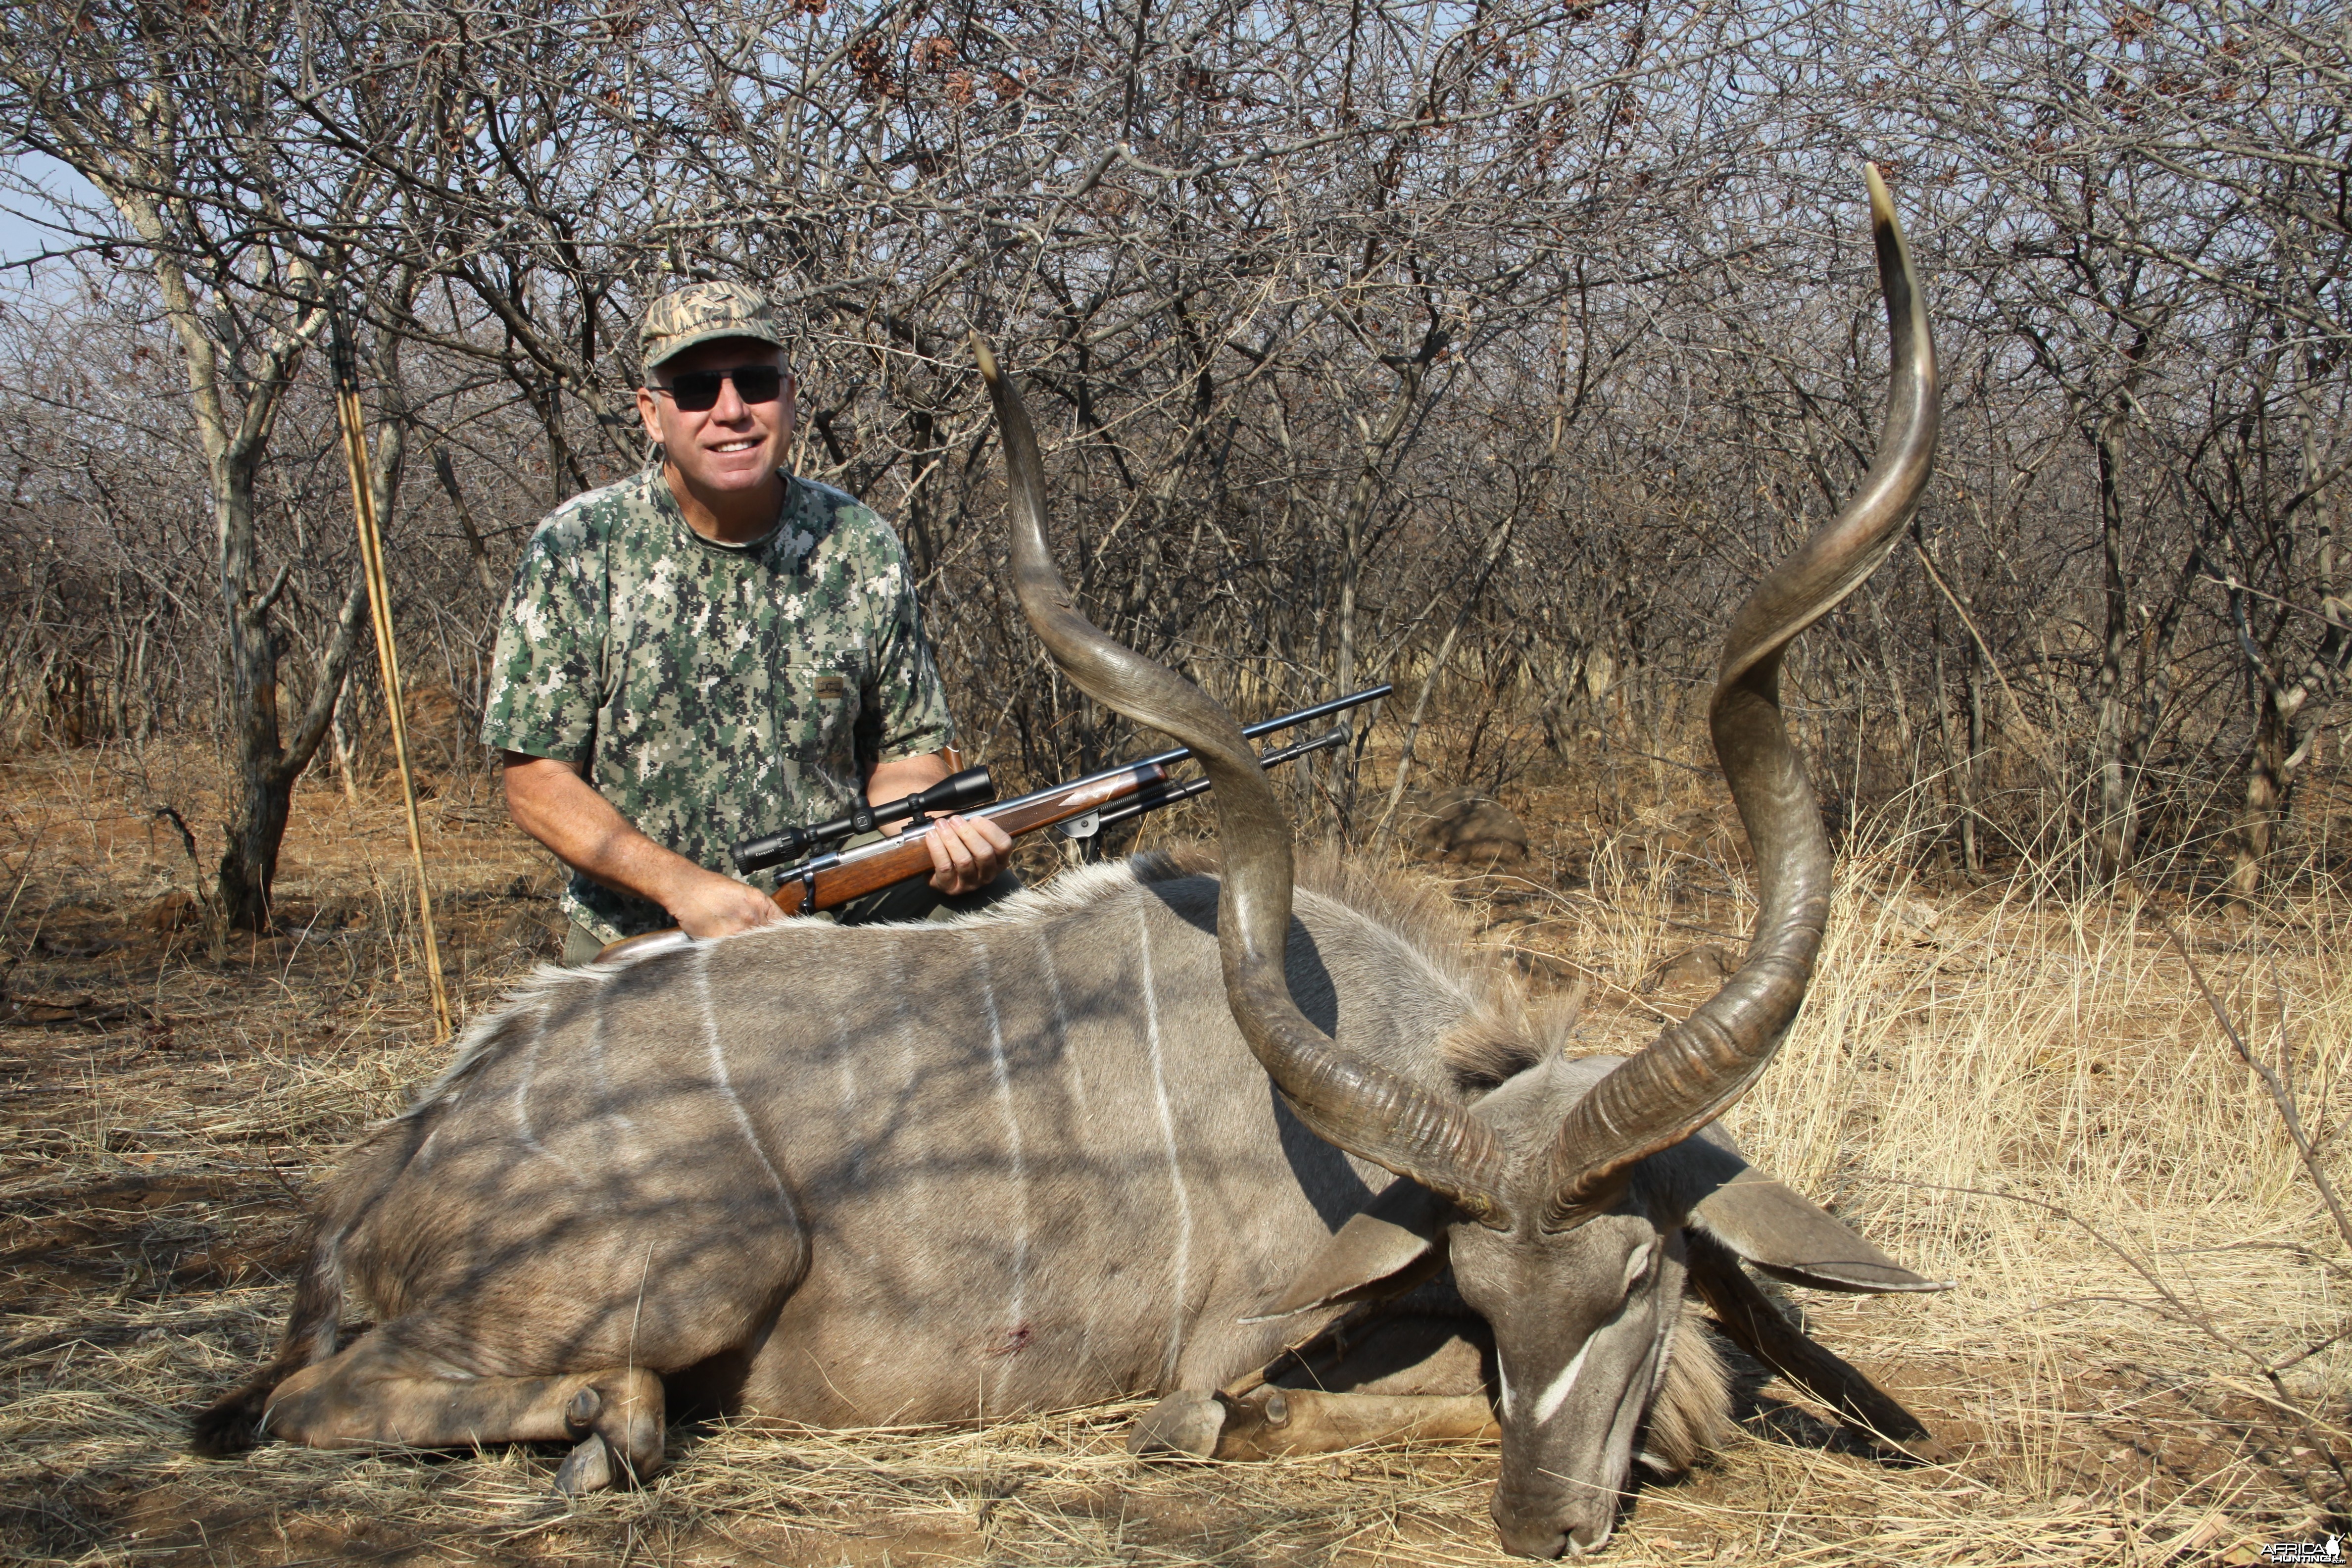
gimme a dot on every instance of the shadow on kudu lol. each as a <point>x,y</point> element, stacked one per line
<point>1082,1144</point>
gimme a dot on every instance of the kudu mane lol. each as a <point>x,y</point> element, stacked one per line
<point>1505,1032</point>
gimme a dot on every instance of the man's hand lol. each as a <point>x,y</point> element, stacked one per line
<point>708,905</point>
<point>549,800</point>
<point>967,852</point>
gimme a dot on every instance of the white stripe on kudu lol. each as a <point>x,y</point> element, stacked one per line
<point>1557,1394</point>
<point>1003,1073</point>
<point>718,1076</point>
<point>1167,1140</point>
<point>523,1080</point>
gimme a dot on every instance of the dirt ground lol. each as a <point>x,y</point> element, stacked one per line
<point>2140,1363</point>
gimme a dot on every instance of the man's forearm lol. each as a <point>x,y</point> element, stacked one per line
<point>907,776</point>
<point>554,804</point>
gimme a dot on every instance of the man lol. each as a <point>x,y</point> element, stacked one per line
<point>715,649</point>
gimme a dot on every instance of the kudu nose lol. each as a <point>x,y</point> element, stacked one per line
<point>1543,1543</point>
<point>1539,1532</point>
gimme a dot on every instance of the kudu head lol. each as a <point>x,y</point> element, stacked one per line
<point>1560,1198</point>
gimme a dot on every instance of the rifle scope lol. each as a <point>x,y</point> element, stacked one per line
<point>972,787</point>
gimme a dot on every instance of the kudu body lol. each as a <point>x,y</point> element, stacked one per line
<point>1034,1160</point>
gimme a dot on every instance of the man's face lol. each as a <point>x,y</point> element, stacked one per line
<point>734,445</point>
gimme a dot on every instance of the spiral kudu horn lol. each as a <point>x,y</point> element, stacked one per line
<point>1695,1069</point>
<point>1352,1104</point>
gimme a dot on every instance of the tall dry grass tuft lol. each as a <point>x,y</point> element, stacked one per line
<point>2031,1096</point>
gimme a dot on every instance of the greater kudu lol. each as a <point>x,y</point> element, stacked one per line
<point>1028,1162</point>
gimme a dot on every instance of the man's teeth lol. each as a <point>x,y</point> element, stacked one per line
<point>734,446</point>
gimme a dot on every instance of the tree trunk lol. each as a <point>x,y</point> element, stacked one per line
<point>1972,851</point>
<point>1956,786</point>
<point>2117,829</point>
<point>256,828</point>
<point>344,740</point>
<point>259,798</point>
<point>2266,780</point>
<point>2278,754</point>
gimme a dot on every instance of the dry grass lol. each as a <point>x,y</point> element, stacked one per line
<point>2023,1096</point>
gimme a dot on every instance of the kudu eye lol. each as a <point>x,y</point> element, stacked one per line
<point>1637,1265</point>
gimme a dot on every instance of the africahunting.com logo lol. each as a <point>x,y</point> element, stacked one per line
<point>2328,1549</point>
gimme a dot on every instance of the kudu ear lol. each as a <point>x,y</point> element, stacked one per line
<point>1774,1227</point>
<point>1387,1247</point>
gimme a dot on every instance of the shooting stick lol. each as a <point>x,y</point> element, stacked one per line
<point>387,657</point>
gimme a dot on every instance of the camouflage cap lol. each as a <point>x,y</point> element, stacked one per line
<point>701,313</point>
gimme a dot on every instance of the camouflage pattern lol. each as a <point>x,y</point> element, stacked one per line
<point>701,313</point>
<point>715,692</point>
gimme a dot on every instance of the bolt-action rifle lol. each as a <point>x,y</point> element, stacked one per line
<point>827,876</point>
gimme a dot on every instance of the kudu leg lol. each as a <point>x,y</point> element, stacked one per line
<point>377,1393</point>
<point>1758,1327</point>
<point>1272,1421</point>
<point>1379,1377</point>
<point>1269,1423</point>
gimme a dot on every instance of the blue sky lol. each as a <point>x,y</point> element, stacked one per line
<point>20,236</point>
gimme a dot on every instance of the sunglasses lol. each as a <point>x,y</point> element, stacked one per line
<point>696,390</point>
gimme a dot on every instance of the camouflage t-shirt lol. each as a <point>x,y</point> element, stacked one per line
<point>716,692</point>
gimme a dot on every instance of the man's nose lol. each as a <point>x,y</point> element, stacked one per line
<point>730,406</point>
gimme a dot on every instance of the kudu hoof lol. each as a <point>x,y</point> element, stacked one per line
<point>1186,1422</point>
<point>619,1428</point>
<point>587,1468</point>
<point>1255,1425</point>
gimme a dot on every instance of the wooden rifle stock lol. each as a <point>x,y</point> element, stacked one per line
<point>831,880</point>
<point>834,880</point>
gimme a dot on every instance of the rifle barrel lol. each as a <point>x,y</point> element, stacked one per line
<point>1180,753</point>
<point>1172,795</point>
